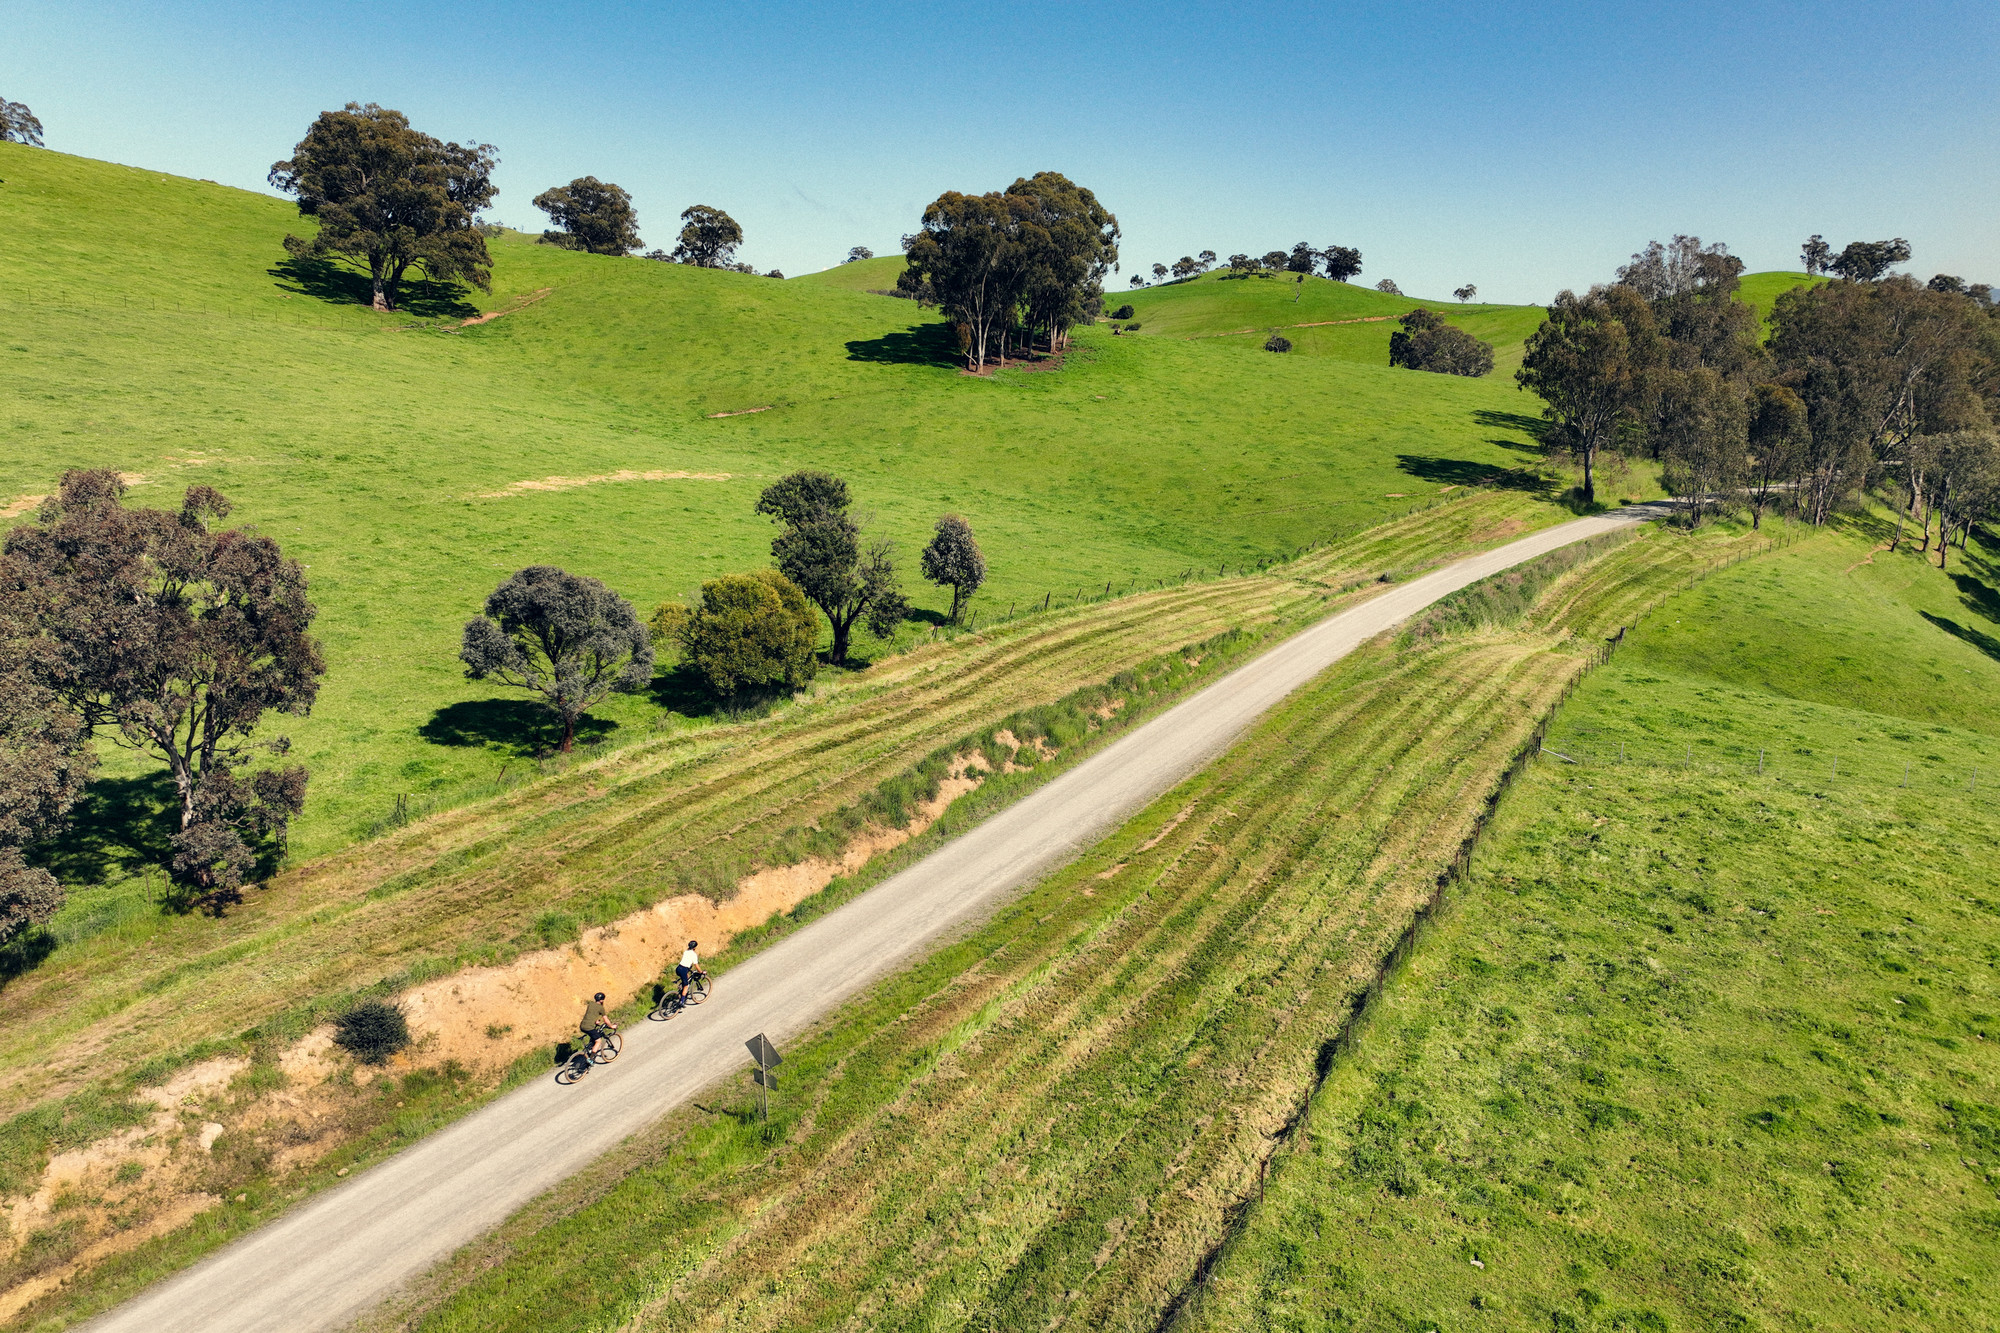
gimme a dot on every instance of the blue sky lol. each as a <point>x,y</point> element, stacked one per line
<point>1523,148</point>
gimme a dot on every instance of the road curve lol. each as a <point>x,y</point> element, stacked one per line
<point>329,1261</point>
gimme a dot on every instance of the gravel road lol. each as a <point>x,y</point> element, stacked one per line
<point>333,1258</point>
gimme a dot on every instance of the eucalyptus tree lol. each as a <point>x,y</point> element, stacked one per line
<point>590,215</point>
<point>172,637</point>
<point>391,197</point>
<point>953,560</point>
<point>1775,437</point>
<point>708,238</point>
<point>966,260</point>
<point>566,637</point>
<point>1580,362</point>
<point>1341,262</point>
<point>18,124</point>
<point>819,548</point>
<point>1066,242</point>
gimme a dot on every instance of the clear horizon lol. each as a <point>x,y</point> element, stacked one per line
<point>1450,143</point>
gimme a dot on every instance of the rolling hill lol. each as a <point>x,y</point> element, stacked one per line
<point>155,325</point>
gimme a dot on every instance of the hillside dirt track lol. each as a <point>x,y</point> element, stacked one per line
<point>330,1260</point>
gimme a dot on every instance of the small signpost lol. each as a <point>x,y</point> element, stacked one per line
<point>767,1059</point>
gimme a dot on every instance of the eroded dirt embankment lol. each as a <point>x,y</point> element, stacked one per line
<point>226,1119</point>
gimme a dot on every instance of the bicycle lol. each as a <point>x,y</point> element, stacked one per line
<point>672,1002</point>
<point>603,1052</point>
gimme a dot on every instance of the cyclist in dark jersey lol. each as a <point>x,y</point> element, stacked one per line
<point>595,1024</point>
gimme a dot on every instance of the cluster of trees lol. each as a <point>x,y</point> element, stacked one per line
<point>18,124</point>
<point>1863,380</point>
<point>573,641</point>
<point>1338,262</point>
<point>1014,264</point>
<point>160,632</point>
<point>392,198</point>
<point>1426,342</point>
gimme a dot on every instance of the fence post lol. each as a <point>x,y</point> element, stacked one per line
<point>1760,763</point>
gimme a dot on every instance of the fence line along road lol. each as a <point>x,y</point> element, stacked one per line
<point>327,1262</point>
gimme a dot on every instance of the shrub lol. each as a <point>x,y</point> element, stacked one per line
<point>1123,312</point>
<point>1428,343</point>
<point>1277,342</point>
<point>372,1031</point>
<point>750,629</point>
<point>1133,327</point>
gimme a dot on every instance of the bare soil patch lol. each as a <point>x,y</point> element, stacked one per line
<point>571,483</point>
<point>521,304</point>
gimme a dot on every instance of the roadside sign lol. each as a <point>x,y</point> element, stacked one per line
<point>767,1058</point>
<point>763,1052</point>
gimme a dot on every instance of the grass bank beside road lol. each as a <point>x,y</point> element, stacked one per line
<point>1698,1048</point>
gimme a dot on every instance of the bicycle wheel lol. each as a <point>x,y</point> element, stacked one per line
<point>607,1050</point>
<point>572,1069</point>
<point>698,991</point>
<point>669,1005</point>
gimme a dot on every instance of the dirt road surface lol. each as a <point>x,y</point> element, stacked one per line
<point>327,1263</point>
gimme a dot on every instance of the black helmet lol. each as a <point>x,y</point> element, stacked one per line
<point>598,996</point>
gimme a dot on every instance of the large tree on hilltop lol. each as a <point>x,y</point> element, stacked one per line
<point>591,215</point>
<point>1867,261</point>
<point>966,261</point>
<point>708,238</point>
<point>1580,361</point>
<point>176,638</point>
<point>390,196</point>
<point>1066,243</point>
<point>820,550</point>
<point>1342,262</point>
<point>18,124</point>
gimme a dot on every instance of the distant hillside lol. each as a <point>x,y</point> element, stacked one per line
<point>1326,318</point>
<point>862,275</point>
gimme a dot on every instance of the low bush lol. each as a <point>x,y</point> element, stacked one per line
<point>372,1031</point>
<point>1277,342</point>
<point>1428,343</point>
<point>1133,327</point>
<point>1123,312</point>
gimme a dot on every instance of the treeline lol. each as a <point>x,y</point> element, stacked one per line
<point>1338,262</point>
<point>1012,265</point>
<point>392,198</point>
<point>1869,380</point>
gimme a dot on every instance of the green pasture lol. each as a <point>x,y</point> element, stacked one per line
<point>154,324</point>
<point>1697,1048</point>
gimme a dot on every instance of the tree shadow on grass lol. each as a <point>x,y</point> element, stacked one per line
<point>1978,597</point>
<point>1985,643</point>
<point>918,345</point>
<point>521,727</point>
<point>337,284</point>
<point>1535,428</point>
<point>686,691</point>
<point>120,826</point>
<point>1463,472</point>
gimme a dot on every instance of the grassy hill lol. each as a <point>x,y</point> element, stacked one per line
<point>1337,320</point>
<point>155,325</point>
<point>1704,1046</point>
